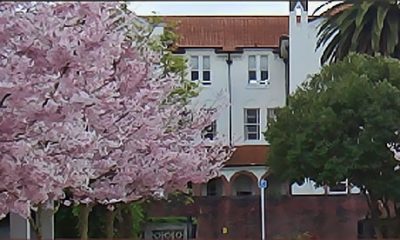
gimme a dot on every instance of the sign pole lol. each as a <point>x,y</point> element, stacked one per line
<point>263,184</point>
<point>262,214</point>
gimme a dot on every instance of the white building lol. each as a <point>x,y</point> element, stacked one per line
<point>257,61</point>
<point>238,56</point>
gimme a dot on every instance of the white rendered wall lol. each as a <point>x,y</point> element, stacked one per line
<point>243,95</point>
<point>304,59</point>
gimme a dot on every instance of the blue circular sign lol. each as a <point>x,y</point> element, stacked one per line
<point>263,183</point>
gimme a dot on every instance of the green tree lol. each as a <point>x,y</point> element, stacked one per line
<point>337,126</point>
<point>362,26</point>
<point>170,62</point>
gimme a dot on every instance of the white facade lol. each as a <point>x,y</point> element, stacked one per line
<point>304,58</point>
<point>244,95</point>
<point>233,80</point>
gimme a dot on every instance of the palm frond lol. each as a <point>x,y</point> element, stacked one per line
<point>363,26</point>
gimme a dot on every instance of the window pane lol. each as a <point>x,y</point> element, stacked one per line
<point>206,76</point>
<point>252,129</point>
<point>341,187</point>
<point>251,116</point>
<point>206,62</point>
<point>252,75</point>
<point>264,63</point>
<point>252,136</point>
<point>264,75</point>
<point>195,75</point>
<point>251,119</point>
<point>252,62</point>
<point>194,62</point>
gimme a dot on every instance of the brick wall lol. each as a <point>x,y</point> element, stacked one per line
<point>329,217</point>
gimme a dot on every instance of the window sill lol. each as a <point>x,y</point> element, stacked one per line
<point>203,83</point>
<point>337,193</point>
<point>257,86</point>
<point>256,142</point>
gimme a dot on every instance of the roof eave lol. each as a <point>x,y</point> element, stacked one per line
<point>220,49</point>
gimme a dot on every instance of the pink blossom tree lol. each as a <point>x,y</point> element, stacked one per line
<point>84,109</point>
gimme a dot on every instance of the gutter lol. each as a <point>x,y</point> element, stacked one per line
<point>229,63</point>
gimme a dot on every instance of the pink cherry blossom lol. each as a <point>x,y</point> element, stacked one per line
<point>83,109</point>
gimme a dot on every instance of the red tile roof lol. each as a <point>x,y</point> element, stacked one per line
<point>230,32</point>
<point>249,155</point>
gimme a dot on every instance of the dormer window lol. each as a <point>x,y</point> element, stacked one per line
<point>258,69</point>
<point>200,69</point>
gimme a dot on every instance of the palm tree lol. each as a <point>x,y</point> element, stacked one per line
<point>362,26</point>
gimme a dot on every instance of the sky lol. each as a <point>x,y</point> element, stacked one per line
<point>216,7</point>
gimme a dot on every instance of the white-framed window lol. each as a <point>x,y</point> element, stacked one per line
<point>206,74</point>
<point>258,69</point>
<point>200,69</point>
<point>340,188</point>
<point>252,69</point>
<point>210,131</point>
<point>194,68</point>
<point>252,124</point>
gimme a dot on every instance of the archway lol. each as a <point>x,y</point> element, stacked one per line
<point>244,184</point>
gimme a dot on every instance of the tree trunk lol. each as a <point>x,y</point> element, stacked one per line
<point>36,223</point>
<point>84,211</point>
<point>125,222</point>
<point>375,216</point>
<point>110,215</point>
<point>36,228</point>
<point>387,209</point>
